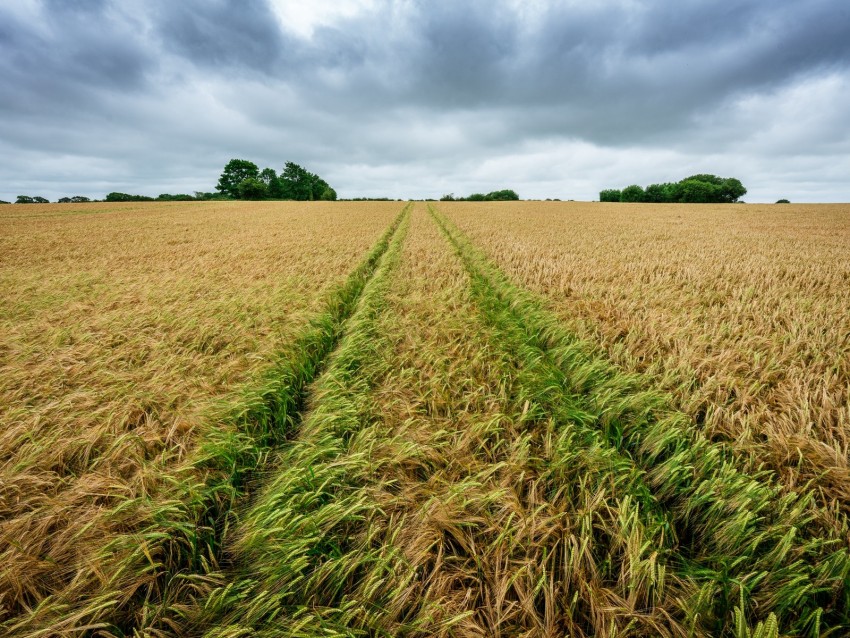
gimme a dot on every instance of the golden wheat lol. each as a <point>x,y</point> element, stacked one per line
<point>469,461</point>
<point>448,509</point>
<point>740,311</point>
<point>121,328</point>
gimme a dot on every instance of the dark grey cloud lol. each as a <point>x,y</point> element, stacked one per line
<point>240,34</point>
<point>416,97</point>
<point>69,47</point>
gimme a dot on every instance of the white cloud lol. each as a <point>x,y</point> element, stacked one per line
<point>302,17</point>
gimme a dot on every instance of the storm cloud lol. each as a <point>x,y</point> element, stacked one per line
<point>420,98</point>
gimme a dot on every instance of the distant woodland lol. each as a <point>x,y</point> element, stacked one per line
<point>696,189</point>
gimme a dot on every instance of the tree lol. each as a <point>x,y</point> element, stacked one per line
<point>609,195</point>
<point>235,172</point>
<point>654,193</point>
<point>782,201</point>
<point>269,177</point>
<point>26,199</point>
<point>724,190</point>
<point>252,188</point>
<point>633,193</point>
<point>124,197</point>
<point>704,177</point>
<point>731,190</point>
<point>672,192</point>
<point>662,193</point>
<point>695,191</point>
<point>300,184</point>
<point>294,182</point>
<point>4,202</point>
<point>503,195</point>
<point>700,188</point>
<point>200,195</point>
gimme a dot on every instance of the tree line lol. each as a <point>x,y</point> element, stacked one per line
<point>118,197</point>
<point>696,189</point>
<point>505,195</point>
<point>242,179</point>
<point>199,196</point>
<point>26,199</point>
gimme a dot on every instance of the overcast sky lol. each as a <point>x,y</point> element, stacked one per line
<point>421,98</point>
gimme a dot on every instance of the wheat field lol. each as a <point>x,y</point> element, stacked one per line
<point>740,312</point>
<point>123,328</point>
<point>428,419</point>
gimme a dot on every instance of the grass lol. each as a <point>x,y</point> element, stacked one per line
<point>444,446</point>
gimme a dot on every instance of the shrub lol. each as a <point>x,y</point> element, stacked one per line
<point>506,195</point>
<point>695,191</point>
<point>782,201</point>
<point>663,193</point>
<point>503,195</point>
<point>633,193</point>
<point>701,188</point>
<point>202,196</point>
<point>124,197</point>
<point>236,171</point>
<point>252,188</point>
